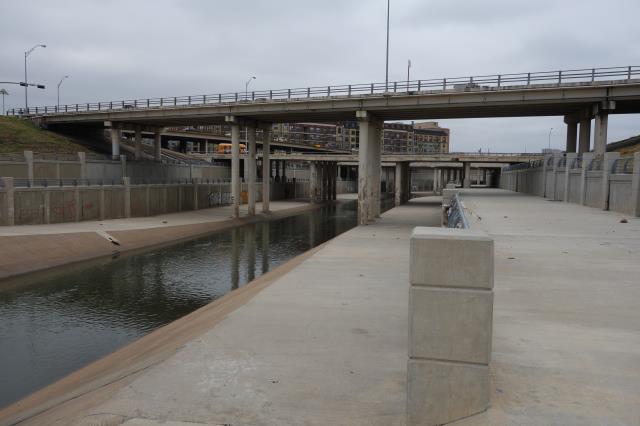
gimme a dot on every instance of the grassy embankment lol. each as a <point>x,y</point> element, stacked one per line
<point>18,135</point>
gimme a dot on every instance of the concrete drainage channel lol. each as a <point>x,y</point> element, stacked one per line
<point>450,319</point>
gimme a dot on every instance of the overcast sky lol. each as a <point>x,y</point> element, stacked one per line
<point>139,49</point>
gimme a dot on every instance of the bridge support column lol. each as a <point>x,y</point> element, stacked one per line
<point>572,134</point>
<point>467,176</point>
<point>607,163</point>
<point>157,146</point>
<point>334,186</point>
<point>401,183</point>
<point>235,165</point>
<point>600,133</point>
<point>251,169</point>
<point>138,142</point>
<point>115,142</point>
<point>585,136</point>
<point>313,182</point>
<point>266,166</point>
<point>635,186</point>
<point>368,167</point>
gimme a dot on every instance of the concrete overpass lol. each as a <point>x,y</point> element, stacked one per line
<point>578,95</point>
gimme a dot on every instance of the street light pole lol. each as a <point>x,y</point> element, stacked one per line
<point>59,83</point>
<point>550,130</point>
<point>408,69</point>
<point>3,92</point>
<point>26,83</point>
<point>386,79</point>
<point>246,88</point>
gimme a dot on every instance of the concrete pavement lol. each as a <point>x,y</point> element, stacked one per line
<point>566,348</point>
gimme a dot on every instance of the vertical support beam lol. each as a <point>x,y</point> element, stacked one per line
<point>115,142</point>
<point>585,135</point>
<point>9,213</point>
<point>28,158</point>
<point>138,142</point>
<point>587,157</point>
<point>376,159</point>
<point>467,175</point>
<point>545,168</point>
<point>157,146</point>
<point>399,184</point>
<point>607,164</point>
<point>101,201</point>
<point>251,169</point>
<point>364,172</point>
<point>572,134</point>
<point>235,165</point>
<point>635,186</point>
<point>313,182</point>
<point>266,166</point>
<point>334,182</point>
<point>435,180</point>
<point>600,133</point>
<point>82,158</point>
<point>127,196</point>
<point>571,156</point>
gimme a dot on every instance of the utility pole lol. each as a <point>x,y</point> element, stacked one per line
<point>386,79</point>
<point>408,70</point>
<point>61,80</point>
<point>26,82</point>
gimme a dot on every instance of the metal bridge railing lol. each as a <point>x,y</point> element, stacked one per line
<point>472,83</point>
<point>455,215</point>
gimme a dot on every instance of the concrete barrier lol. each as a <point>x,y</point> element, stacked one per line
<point>450,325</point>
<point>591,181</point>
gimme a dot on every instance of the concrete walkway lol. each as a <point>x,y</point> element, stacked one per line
<point>325,344</point>
<point>566,341</point>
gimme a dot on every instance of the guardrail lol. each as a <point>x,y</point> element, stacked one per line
<point>455,215</point>
<point>471,83</point>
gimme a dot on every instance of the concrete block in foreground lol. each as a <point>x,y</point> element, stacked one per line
<point>450,324</point>
<point>441,392</point>
<point>449,257</point>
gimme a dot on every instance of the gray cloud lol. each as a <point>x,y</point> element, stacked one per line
<point>123,49</point>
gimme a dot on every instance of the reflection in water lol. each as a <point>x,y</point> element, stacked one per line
<point>57,325</point>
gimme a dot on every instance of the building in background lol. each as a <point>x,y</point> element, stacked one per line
<point>399,138</point>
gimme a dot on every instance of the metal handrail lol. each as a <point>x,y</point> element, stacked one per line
<point>455,215</point>
<point>471,83</point>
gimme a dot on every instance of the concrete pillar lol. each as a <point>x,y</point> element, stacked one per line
<point>450,325</point>
<point>123,165</point>
<point>587,157</point>
<point>28,158</point>
<point>368,167</point>
<point>600,133</point>
<point>607,163</point>
<point>313,182</point>
<point>571,156</point>
<point>334,182</point>
<point>235,165</point>
<point>399,184</point>
<point>82,159</point>
<point>138,143</point>
<point>115,142</point>
<point>635,186</point>
<point>266,166</point>
<point>277,164</point>
<point>9,213</point>
<point>127,196</point>
<point>376,161</point>
<point>572,134</point>
<point>251,169</point>
<point>157,146</point>
<point>47,206</point>
<point>585,135</point>
<point>435,180</point>
<point>467,175</point>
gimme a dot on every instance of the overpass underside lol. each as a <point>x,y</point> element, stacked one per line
<point>578,103</point>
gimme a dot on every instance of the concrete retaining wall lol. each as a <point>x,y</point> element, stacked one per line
<point>596,185</point>
<point>450,325</point>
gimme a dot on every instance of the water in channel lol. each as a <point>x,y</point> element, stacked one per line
<point>58,324</point>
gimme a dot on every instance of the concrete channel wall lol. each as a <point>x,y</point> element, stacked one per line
<point>80,166</point>
<point>608,182</point>
<point>450,325</point>
<point>58,204</point>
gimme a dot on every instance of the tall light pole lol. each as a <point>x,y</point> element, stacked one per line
<point>386,79</point>
<point>4,93</point>
<point>59,83</point>
<point>246,87</point>
<point>550,130</point>
<point>408,70</point>
<point>26,82</point>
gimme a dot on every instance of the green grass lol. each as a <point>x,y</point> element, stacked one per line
<point>18,135</point>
